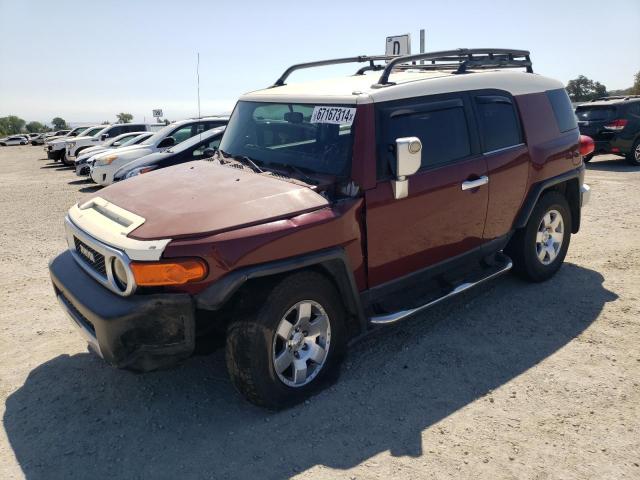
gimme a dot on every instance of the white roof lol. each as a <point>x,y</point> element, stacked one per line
<point>359,89</point>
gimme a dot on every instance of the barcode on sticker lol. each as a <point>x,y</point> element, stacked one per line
<point>333,115</point>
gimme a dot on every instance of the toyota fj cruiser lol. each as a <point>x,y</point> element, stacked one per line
<point>330,208</point>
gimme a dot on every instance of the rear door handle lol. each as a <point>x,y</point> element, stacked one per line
<point>471,184</point>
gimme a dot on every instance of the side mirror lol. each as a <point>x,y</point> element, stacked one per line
<point>209,152</point>
<point>104,136</point>
<point>167,142</point>
<point>408,161</point>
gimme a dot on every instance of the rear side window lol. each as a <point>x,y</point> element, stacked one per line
<point>595,114</point>
<point>562,109</point>
<point>441,127</point>
<point>499,126</point>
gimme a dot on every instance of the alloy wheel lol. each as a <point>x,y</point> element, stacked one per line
<point>301,343</point>
<point>549,237</point>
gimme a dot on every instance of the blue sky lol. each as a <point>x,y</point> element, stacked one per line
<point>86,61</point>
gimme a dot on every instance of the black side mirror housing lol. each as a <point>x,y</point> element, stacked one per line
<point>209,152</point>
<point>167,142</point>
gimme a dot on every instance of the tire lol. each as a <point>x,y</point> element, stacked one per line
<point>63,158</point>
<point>534,260</point>
<point>256,341</point>
<point>633,157</point>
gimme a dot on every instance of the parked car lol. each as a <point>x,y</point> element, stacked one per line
<point>331,208</point>
<point>37,139</point>
<point>74,147</point>
<point>59,133</point>
<point>107,164</point>
<point>14,140</point>
<point>85,159</point>
<point>55,146</point>
<point>614,125</point>
<point>198,147</point>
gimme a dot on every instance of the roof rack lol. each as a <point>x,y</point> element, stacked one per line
<point>461,59</point>
<point>335,61</point>
<point>614,97</point>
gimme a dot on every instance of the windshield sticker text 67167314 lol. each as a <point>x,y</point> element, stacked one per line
<point>333,115</point>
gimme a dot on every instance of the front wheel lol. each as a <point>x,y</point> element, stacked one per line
<point>539,249</point>
<point>291,344</point>
<point>633,157</point>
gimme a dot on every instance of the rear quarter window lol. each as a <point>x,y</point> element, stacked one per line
<point>562,109</point>
<point>499,125</point>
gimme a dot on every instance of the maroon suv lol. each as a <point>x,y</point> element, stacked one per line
<point>331,207</point>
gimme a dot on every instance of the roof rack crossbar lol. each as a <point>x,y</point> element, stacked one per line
<point>323,63</point>
<point>464,58</point>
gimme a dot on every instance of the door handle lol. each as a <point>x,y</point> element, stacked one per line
<point>471,184</point>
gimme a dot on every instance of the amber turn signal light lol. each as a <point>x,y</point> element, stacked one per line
<point>169,272</point>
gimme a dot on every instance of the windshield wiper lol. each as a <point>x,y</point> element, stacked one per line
<point>241,159</point>
<point>298,170</point>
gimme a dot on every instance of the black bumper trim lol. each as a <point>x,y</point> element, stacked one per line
<point>141,332</point>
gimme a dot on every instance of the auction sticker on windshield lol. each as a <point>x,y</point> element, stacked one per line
<point>333,115</point>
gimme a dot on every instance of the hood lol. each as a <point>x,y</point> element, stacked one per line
<point>131,152</point>
<point>202,197</point>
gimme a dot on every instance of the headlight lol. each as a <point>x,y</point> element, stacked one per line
<point>106,160</point>
<point>120,274</point>
<point>71,144</point>
<point>138,171</point>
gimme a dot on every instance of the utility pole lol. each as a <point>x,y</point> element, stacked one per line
<point>422,44</point>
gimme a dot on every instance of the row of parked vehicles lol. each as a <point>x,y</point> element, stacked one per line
<point>110,153</point>
<point>329,209</point>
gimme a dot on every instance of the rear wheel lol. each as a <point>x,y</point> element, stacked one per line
<point>539,249</point>
<point>289,345</point>
<point>633,157</point>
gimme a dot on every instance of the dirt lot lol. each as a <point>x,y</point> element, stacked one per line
<point>512,380</point>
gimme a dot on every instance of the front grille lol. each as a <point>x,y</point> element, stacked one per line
<point>90,256</point>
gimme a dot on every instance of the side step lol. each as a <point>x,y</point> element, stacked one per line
<point>503,266</point>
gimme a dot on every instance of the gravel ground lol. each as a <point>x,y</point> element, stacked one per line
<point>512,380</point>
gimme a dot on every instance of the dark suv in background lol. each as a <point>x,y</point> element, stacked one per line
<point>614,125</point>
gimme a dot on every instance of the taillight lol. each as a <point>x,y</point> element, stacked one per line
<point>586,145</point>
<point>616,125</point>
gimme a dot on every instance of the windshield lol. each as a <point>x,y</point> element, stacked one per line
<point>313,137</point>
<point>595,113</point>
<point>92,131</point>
<point>136,140</point>
<point>159,135</point>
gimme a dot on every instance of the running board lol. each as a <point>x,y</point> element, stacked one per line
<point>396,316</point>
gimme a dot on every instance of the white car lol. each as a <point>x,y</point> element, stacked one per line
<point>14,140</point>
<point>106,164</point>
<point>85,159</point>
<point>55,146</point>
<point>74,147</point>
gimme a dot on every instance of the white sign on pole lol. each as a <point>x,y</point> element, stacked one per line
<point>398,45</point>
<point>157,113</point>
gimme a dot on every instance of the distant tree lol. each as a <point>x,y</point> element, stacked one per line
<point>105,122</point>
<point>124,117</point>
<point>59,123</point>
<point>583,89</point>
<point>35,127</point>
<point>635,90</point>
<point>10,125</point>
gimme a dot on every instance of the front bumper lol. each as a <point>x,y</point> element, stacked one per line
<point>102,174</point>
<point>54,154</point>
<point>140,332</point>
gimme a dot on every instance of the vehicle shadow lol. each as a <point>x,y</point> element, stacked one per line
<point>90,188</point>
<point>55,166</point>
<point>611,164</point>
<point>76,416</point>
<point>81,181</point>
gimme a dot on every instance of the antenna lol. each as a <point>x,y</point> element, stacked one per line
<point>198,78</point>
